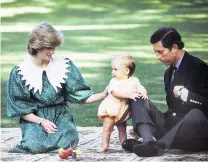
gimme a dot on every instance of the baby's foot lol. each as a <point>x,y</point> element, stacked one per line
<point>103,150</point>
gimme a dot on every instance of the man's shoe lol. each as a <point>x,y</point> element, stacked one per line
<point>148,149</point>
<point>157,143</point>
<point>129,143</point>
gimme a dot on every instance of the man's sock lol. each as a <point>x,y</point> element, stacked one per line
<point>145,131</point>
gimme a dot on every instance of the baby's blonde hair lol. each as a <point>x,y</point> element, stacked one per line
<point>128,61</point>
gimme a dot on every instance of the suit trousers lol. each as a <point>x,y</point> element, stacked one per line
<point>189,132</point>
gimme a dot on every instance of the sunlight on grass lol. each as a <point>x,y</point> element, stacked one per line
<point>196,47</point>
<point>27,28</point>
<point>150,12</point>
<point>9,12</point>
<point>184,17</point>
<point>120,11</point>
<point>158,101</point>
<point>47,2</point>
<point>7,1</point>
<point>141,17</point>
<point>138,48</point>
<point>87,75</point>
<point>11,58</point>
<point>155,15</point>
<point>9,122</point>
<point>100,27</point>
<point>86,7</point>
<point>192,16</point>
<point>183,3</point>
<point>197,42</point>
<point>155,2</point>
<point>92,38</point>
<point>204,36</point>
<point>91,65</point>
<point>85,56</point>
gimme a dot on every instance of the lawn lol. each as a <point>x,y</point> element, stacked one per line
<point>96,31</point>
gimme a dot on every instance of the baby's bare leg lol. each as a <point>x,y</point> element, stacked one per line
<point>122,132</point>
<point>108,124</point>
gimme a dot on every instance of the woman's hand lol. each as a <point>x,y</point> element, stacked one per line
<point>48,126</point>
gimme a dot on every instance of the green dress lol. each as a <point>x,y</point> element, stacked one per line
<point>50,104</point>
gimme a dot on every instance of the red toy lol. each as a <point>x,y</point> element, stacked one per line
<point>69,151</point>
<point>64,154</point>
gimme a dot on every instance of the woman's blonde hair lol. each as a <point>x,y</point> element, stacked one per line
<point>43,36</point>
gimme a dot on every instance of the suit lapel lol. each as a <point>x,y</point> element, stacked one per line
<point>168,76</point>
<point>180,76</point>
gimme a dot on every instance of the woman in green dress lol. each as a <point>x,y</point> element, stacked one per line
<point>38,90</point>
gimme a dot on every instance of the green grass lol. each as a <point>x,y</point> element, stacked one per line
<point>94,32</point>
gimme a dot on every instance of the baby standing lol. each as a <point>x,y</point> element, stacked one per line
<point>114,109</point>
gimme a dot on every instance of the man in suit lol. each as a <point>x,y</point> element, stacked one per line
<point>185,124</point>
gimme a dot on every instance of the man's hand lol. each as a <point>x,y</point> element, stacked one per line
<point>177,91</point>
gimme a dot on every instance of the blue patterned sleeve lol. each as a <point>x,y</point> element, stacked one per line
<point>18,100</point>
<point>77,89</point>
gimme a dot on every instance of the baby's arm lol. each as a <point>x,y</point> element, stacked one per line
<point>97,97</point>
<point>115,90</point>
<point>141,90</point>
<point>125,95</point>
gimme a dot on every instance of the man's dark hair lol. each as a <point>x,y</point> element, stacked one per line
<point>168,36</point>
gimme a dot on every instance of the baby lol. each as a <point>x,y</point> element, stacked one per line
<point>114,109</point>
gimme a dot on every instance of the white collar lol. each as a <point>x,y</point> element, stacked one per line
<point>55,71</point>
<point>179,61</point>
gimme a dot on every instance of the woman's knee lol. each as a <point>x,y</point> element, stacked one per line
<point>34,147</point>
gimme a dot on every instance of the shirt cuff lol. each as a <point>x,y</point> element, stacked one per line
<point>184,94</point>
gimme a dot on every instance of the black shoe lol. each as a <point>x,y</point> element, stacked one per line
<point>129,143</point>
<point>148,149</point>
<point>157,143</point>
